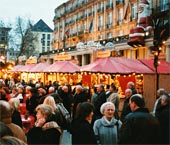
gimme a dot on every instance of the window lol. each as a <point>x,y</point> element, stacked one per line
<point>109,17</point>
<point>134,11</point>
<point>48,43</point>
<point>85,26</point>
<point>110,2</point>
<point>164,5</point>
<point>48,36</point>
<point>43,49</point>
<point>48,48</point>
<point>109,35</point>
<point>100,20</point>
<point>43,36</point>
<point>120,16</point>
<point>100,7</point>
<point>43,43</point>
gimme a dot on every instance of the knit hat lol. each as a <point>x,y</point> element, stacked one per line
<point>138,100</point>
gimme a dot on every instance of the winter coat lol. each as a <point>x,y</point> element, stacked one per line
<point>47,134</point>
<point>16,118</point>
<point>16,130</point>
<point>107,132</point>
<point>126,109</point>
<point>163,118</point>
<point>31,104</point>
<point>140,127</point>
<point>99,100</point>
<point>78,98</point>
<point>82,133</point>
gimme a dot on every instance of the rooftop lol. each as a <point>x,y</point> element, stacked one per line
<point>41,26</point>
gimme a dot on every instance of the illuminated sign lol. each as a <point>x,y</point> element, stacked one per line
<point>103,53</point>
<point>62,56</point>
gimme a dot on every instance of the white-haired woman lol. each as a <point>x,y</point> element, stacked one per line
<point>16,116</point>
<point>107,128</point>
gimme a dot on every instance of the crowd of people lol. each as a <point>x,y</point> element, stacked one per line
<point>90,118</point>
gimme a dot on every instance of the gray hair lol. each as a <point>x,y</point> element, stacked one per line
<point>51,90</point>
<point>102,108</point>
<point>128,90</point>
<point>161,91</point>
<point>15,103</point>
<point>79,87</point>
<point>45,110</point>
<point>64,87</point>
<point>131,83</point>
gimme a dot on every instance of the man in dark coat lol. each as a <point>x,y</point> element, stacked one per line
<point>131,85</point>
<point>5,117</point>
<point>79,97</point>
<point>163,117</point>
<point>139,127</point>
<point>126,108</point>
<point>99,100</point>
<point>66,98</point>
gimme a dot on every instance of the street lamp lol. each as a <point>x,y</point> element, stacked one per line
<point>161,34</point>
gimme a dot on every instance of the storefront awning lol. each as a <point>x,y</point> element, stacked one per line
<point>116,65</point>
<point>16,67</point>
<point>39,67</point>
<point>25,68</point>
<point>163,67</point>
<point>62,67</point>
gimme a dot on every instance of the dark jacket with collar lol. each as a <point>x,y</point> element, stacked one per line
<point>82,133</point>
<point>140,127</point>
<point>99,100</point>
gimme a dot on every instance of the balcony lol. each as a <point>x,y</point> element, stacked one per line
<point>118,2</point>
<point>84,16</point>
<point>100,10</point>
<point>91,13</point>
<point>109,6</point>
<point>78,19</point>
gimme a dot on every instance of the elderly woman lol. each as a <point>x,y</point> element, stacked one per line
<point>81,129</point>
<point>16,116</point>
<point>45,131</point>
<point>107,128</point>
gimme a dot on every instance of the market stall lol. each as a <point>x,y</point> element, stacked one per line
<point>163,72</point>
<point>116,70</point>
<point>37,73</point>
<point>62,71</point>
<point>24,72</point>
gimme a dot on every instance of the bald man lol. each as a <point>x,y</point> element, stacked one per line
<point>5,117</point>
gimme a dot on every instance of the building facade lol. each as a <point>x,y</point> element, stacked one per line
<point>83,27</point>
<point>44,37</point>
<point>4,43</point>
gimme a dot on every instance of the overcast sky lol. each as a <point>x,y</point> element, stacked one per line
<point>33,9</point>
